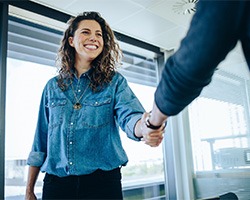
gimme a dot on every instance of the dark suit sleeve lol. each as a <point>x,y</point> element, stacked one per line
<point>213,32</point>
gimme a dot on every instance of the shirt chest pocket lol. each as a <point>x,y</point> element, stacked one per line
<point>96,112</point>
<point>56,108</point>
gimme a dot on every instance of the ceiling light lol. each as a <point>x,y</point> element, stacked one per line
<point>185,6</point>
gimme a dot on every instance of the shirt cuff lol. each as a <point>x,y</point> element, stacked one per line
<point>131,127</point>
<point>36,159</point>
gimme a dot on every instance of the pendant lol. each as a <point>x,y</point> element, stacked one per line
<point>77,106</point>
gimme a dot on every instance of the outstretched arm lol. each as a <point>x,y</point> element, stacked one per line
<point>212,34</point>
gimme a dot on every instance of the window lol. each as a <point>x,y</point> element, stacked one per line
<point>219,125</point>
<point>143,177</point>
<point>25,82</point>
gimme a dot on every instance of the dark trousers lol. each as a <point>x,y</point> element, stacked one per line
<point>98,185</point>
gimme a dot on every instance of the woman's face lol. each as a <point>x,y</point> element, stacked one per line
<point>87,40</point>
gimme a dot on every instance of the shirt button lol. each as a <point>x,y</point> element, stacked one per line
<point>71,123</point>
<point>79,90</point>
<point>70,142</point>
<point>96,103</point>
<point>70,163</point>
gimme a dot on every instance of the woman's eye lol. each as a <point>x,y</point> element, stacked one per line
<point>85,32</point>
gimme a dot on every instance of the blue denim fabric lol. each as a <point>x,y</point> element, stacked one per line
<point>77,142</point>
<point>215,29</point>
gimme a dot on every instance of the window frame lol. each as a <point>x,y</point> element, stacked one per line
<point>3,58</point>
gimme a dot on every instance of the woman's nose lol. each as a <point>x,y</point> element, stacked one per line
<point>92,38</point>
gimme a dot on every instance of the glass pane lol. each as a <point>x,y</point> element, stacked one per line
<point>25,82</point>
<point>219,123</point>
<point>143,177</point>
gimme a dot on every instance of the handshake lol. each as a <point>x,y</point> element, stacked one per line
<point>151,134</point>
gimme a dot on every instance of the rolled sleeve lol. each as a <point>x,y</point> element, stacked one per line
<point>130,128</point>
<point>36,159</point>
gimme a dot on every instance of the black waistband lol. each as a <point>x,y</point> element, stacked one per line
<point>111,173</point>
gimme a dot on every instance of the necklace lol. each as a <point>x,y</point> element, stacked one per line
<point>77,105</point>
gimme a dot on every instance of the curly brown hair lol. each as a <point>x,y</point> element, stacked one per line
<point>104,65</point>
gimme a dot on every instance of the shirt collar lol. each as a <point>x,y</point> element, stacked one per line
<point>87,73</point>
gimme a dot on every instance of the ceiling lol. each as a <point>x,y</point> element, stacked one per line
<point>158,22</point>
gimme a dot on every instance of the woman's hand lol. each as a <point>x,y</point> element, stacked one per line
<point>30,195</point>
<point>151,137</point>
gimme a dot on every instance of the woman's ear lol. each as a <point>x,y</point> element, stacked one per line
<point>70,40</point>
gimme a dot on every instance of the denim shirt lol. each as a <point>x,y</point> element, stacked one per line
<point>76,142</point>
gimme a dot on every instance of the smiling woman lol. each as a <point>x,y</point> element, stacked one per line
<point>21,116</point>
<point>77,140</point>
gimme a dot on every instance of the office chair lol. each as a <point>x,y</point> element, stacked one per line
<point>226,196</point>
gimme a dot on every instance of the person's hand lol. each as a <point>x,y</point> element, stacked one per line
<point>151,137</point>
<point>30,195</point>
